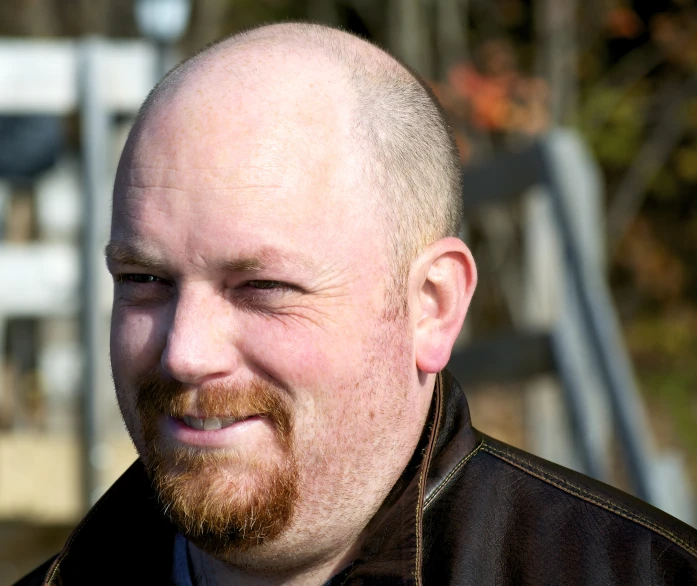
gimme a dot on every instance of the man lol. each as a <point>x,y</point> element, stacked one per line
<point>288,288</point>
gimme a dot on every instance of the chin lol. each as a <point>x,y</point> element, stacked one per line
<point>224,505</point>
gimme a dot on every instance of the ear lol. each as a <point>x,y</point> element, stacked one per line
<point>443,280</point>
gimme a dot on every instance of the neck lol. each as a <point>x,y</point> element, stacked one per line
<point>210,571</point>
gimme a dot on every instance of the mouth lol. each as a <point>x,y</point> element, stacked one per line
<point>209,423</point>
<point>217,432</point>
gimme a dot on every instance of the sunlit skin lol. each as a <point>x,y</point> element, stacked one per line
<point>245,247</point>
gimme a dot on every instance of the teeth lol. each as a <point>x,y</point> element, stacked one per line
<point>209,423</point>
<point>193,422</point>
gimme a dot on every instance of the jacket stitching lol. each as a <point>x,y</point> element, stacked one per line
<point>418,536</point>
<point>567,486</point>
<point>441,486</point>
<point>420,507</point>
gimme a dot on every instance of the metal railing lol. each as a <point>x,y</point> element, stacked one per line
<point>587,325</point>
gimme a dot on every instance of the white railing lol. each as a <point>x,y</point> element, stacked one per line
<point>56,277</point>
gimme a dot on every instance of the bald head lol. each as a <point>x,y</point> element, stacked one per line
<point>399,148</point>
<point>269,205</point>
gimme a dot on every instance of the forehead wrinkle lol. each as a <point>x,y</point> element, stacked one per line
<point>273,160</point>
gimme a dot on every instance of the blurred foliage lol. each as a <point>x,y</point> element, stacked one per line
<point>664,347</point>
<point>612,121</point>
<point>637,66</point>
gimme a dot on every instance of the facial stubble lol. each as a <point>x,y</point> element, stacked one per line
<point>200,488</point>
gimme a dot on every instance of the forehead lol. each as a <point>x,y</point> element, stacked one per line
<point>252,157</point>
<point>263,124</point>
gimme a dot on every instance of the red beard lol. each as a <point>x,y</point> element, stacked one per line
<point>211,506</point>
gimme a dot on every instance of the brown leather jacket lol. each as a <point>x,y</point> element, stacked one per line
<point>469,510</point>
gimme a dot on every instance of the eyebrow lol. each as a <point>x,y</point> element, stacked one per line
<point>124,253</point>
<point>264,258</point>
<point>129,254</point>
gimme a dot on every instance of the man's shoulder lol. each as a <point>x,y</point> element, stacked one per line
<point>590,494</point>
<point>509,513</point>
<point>124,535</point>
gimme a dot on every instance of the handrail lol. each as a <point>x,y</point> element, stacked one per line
<point>508,177</point>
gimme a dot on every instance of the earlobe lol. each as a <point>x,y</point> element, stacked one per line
<point>445,280</point>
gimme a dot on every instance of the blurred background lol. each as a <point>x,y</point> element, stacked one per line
<point>577,127</point>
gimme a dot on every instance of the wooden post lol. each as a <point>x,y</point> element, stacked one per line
<point>546,422</point>
<point>556,23</point>
<point>409,35</point>
<point>451,34</point>
<point>551,303</point>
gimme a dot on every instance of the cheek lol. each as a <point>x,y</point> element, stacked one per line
<point>307,359</point>
<point>136,343</point>
<point>134,352</point>
<point>336,376</point>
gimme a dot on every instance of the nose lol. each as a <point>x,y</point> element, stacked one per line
<point>200,343</point>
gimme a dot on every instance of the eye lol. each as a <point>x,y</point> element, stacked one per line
<point>263,293</point>
<point>261,284</point>
<point>137,278</point>
<point>142,288</point>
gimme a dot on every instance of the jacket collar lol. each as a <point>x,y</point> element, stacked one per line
<point>393,554</point>
<point>125,529</point>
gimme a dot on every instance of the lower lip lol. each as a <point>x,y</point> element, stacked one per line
<point>216,438</point>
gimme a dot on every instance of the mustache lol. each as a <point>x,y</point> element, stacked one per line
<point>157,394</point>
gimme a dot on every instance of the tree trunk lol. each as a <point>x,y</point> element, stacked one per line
<point>557,60</point>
